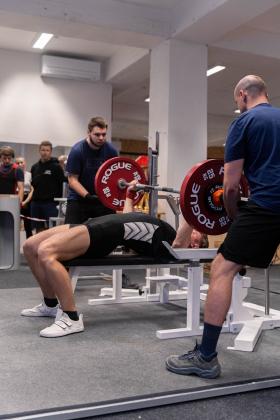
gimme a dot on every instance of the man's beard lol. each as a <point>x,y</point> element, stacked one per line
<point>94,144</point>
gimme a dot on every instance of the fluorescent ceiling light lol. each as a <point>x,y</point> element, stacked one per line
<point>42,41</point>
<point>237,111</point>
<point>209,72</point>
<point>214,70</point>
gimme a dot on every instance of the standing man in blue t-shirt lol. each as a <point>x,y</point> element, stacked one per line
<point>83,162</point>
<point>252,146</point>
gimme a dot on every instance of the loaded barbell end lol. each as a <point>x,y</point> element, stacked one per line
<point>218,198</point>
<point>122,184</point>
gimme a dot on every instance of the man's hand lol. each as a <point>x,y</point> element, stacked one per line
<point>131,190</point>
<point>183,236</point>
<point>90,197</point>
<point>130,196</point>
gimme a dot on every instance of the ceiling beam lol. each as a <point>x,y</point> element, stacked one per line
<point>207,22</point>
<point>99,20</point>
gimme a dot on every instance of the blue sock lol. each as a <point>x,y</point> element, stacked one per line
<point>210,337</point>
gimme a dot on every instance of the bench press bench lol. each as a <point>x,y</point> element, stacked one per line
<point>117,263</point>
<point>244,318</point>
<point>193,261</point>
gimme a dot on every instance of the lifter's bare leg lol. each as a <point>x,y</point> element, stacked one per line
<point>61,246</point>
<point>30,250</point>
<point>43,252</point>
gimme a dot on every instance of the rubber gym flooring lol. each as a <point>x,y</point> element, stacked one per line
<point>118,357</point>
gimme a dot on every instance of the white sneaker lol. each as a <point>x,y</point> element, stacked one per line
<point>63,326</point>
<point>41,310</point>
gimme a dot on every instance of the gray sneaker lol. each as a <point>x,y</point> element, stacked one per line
<point>40,310</point>
<point>193,363</point>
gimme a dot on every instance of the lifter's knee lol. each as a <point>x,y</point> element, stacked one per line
<point>222,268</point>
<point>46,254</point>
<point>30,247</point>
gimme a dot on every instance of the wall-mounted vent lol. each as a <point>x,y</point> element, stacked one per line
<point>70,68</point>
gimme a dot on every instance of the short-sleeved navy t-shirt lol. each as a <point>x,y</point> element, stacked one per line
<point>85,162</point>
<point>255,137</point>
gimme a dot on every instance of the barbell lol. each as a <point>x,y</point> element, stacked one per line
<point>201,193</point>
<point>146,187</point>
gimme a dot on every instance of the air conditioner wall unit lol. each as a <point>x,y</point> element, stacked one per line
<point>70,68</point>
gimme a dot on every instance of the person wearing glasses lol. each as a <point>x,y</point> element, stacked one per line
<point>84,160</point>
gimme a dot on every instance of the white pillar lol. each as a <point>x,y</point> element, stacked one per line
<point>178,108</point>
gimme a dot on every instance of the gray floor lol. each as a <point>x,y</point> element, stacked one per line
<point>118,355</point>
<point>261,405</point>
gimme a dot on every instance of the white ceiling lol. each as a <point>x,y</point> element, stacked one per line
<point>245,39</point>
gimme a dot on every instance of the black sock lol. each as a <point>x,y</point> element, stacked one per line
<point>72,315</point>
<point>210,337</point>
<point>50,302</point>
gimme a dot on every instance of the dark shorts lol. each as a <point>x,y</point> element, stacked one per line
<point>253,237</point>
<point>140,232</point>
<point>43,210</point>
<point>78,211</point>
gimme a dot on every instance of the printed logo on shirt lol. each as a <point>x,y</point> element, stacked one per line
<point>47,172</point>
<point>139,231</point>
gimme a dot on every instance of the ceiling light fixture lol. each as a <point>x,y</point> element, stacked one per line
<point>214,70</point>
<point>42,41</point>
<point>147,100</point>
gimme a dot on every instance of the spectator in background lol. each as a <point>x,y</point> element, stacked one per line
<point>47,179</point>
<point>27,196</point>
<point>11,176</point>
<point>83,162</point>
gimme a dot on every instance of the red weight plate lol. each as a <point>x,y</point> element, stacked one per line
<point>196,198</point>
<point>107,177</point>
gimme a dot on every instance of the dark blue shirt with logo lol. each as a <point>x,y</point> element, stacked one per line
<point>255,137</point>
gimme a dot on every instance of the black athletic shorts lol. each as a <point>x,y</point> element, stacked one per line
<point>140,232</point>
<point>78,211</point>
<point>253,237</point>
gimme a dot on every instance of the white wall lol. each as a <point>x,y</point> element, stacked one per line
<point>33,109</point>
<point>130,121</point>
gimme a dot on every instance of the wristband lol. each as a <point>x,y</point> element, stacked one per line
<point>131,194</point>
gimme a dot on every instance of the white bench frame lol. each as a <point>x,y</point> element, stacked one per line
<point>244,318</point>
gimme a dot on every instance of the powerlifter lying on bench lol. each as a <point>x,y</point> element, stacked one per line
<point>95,238</point>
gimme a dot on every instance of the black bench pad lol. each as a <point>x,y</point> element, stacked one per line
<point>122,260</point>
